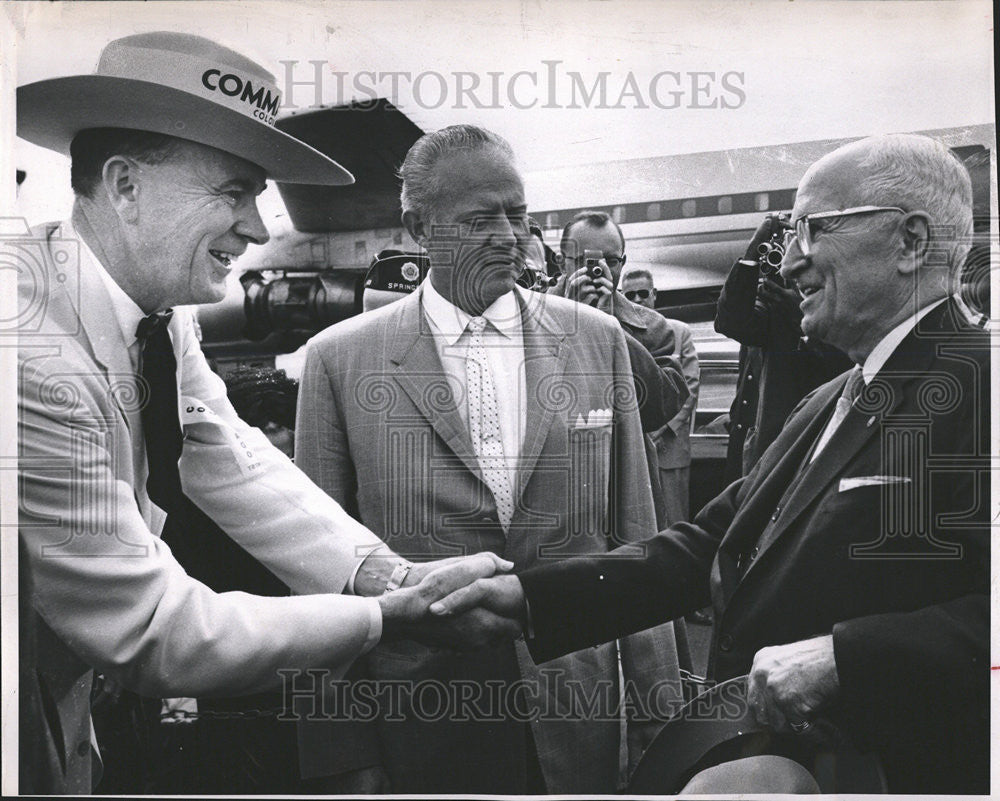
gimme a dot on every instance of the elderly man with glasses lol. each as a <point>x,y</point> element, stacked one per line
<point>849,571</point>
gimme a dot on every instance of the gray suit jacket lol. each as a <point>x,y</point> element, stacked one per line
<point>379,429</point>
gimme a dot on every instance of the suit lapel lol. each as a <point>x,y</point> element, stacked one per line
<point>542,365</point>
<point>754,513</point>
<point>877,402</point>
<point>90,300</point>
<point>421,376</point>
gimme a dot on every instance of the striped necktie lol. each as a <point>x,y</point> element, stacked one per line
<point>484,422</point>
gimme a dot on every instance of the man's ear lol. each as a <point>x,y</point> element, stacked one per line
<point>916,236</point>
<point>416,228</point>
<point>120,179</point>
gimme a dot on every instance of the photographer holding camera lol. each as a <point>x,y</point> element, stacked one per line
<point>777,367</point>
<point>592,251</point>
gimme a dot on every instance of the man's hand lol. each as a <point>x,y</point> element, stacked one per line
<point>405,612</point>
<point>502,595</point>
<point>579,286</point>
<point>789,684</point>
<point>781,300</point>
<point>764,232</point>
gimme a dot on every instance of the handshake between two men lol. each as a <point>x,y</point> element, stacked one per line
<point>467,603</point>
<point>438,604</point>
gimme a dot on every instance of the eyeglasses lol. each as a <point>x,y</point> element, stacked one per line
<point>803,231</point>
<point>637,294</point>
<point>613,262</point>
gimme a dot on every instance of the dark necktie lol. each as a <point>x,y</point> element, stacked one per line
<point>161,426</point>
<point>200,546</point>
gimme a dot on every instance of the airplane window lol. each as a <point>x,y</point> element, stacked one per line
<point>688,208</point>
<point>653,211</point>
<point>761,201</point>
<point>618,214</point>
<point>552,220</point>
<point>725,205</point>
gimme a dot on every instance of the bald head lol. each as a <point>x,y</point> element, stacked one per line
<point>915,173</point>
<point>898,248</point>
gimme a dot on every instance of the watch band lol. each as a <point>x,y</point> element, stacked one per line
<point>398,576</point>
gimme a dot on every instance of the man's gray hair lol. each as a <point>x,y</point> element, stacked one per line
<point>918,173</point>
<point>421,189</point>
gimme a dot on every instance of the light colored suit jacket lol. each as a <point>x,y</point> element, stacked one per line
<point>379,429</point>
<point>106,590</point>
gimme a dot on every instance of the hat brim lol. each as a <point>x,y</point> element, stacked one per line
<point>51,112</point>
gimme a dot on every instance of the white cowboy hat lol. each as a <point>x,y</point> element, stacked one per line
<point>182,85</point>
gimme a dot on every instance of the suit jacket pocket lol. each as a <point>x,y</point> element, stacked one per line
<point>589,467</point>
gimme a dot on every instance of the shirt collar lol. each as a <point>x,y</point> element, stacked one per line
<point>125,310</point>
<point>887,345</point>
<point>451,321</point>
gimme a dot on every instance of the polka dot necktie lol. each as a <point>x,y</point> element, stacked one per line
<point>484,422</point>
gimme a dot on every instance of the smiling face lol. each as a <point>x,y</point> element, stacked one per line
<point>477,233</point>
<point>852,290</point>
<point>195,212</point>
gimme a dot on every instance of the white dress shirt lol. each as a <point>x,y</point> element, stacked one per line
<point>876,361</point>
<point>504,343</point>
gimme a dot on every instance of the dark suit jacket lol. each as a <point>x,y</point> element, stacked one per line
<point>883,540</point>
<point>776,368</point>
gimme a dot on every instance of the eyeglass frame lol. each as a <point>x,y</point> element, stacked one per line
<point>618,260</point>
<point>645,294</point>
<point>800,227</point>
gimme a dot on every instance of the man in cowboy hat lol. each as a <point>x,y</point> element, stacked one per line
<point>171,141</point>
<point>849,571</point>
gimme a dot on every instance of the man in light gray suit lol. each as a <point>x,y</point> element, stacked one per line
<point>476,415</point>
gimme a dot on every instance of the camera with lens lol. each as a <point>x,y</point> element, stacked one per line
<point>592,261</point>
<point>771,252</point>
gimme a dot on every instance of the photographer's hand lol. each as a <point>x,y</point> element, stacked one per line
<point>765,231</point>
<point>781,300</point>
<point>579,286</point>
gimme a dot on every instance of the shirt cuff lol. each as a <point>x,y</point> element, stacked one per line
<point>349,589</point>
<point>374,625</point>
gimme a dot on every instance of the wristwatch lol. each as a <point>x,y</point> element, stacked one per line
<point>398,576</point>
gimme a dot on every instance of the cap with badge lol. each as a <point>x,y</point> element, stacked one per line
<point>394,271</point>
<point>392,276</point>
